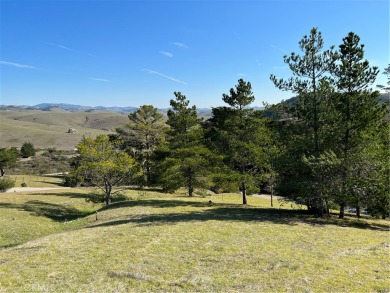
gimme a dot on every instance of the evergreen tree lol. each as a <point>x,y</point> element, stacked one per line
<point>305,132</point>
<point>358,114</point>
<point>8,159</point>
<point>311,84</point>
<point>27,150</point>
<point>188,162</point>
<point>240,135</point>
<point>142,135</point>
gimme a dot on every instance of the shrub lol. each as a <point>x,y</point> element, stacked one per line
<point>27,150</point>
<point>24,184</point>
<point>73,179</point>
<point>6,183</point>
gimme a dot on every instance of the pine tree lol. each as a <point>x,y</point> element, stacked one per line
<point>358,114</point>
<point>304,134</point>
<point>240,135</point>
<point>142,135</point>
<point>310,82</point>
<point>188,162</point>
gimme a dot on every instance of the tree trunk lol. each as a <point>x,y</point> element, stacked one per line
<point>320,208</point>
<point>190,180</point>
<point>108,189</point>
<point>342,210</point>
<point>243,187</point>
<point>147,163</point>
<point>358,211</point>
<point>327,207</point>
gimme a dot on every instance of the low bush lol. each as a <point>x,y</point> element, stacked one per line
<point>73,180</point>
<point>6,183</point>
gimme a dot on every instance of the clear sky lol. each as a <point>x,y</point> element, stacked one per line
<point>131,53</point>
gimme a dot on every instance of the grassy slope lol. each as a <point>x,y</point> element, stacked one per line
<point>38,181</point>
<point>46,129</point>
<point>174,243</point>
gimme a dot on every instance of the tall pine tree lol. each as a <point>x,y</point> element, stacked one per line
<point>358,114</point>
<point>188,161</point>
<point>240,135</point>
<point>142,135</point>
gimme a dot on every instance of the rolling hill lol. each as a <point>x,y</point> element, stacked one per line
<point>49,128</point>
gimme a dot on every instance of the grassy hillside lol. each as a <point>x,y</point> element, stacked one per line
<point>159,242</point>
<point>49,129</point>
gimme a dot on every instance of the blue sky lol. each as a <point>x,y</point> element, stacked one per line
<point>131,53</point>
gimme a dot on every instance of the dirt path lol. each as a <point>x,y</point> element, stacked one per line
<point>32,189</point>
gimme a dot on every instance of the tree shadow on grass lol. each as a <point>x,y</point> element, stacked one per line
<point>156,203</point>
<point>68,194</point>
<point>229,212</point>
<point>42,179</point>
<point>216,213</point>
<point>56,212</point>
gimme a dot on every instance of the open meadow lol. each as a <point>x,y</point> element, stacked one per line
<point>46,128</point>
<point>54,241</point>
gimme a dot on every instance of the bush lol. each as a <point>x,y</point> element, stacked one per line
<point>27,150</point>
<point>73,180</point>
<point>6,183</point>
<point>24,184</point>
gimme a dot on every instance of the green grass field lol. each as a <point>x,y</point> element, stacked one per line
<point>38,181</point>
<point>52,242</point>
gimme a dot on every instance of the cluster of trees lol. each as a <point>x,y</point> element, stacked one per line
<point>9,156</point>
<point>329,148</point>
<point>8,159</point>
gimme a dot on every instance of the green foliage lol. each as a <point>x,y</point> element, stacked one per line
<point>73,179</point>
<point>104,166</point>
<point>335,126</point>
<point>187,162</point>
<point>142,135</point>
<point>8,159</point>
<point>23,184</point>
<point>357,116</point>
<point>311,84</point>
<point>386,88</point>
<point>240,97</point>
<point>181,117</point>
<point>6,182</point>
<point>27,150</point>
<point>241,136</point>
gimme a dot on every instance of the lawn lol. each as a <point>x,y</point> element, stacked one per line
<point>162,242</point>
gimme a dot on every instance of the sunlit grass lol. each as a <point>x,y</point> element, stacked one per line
<point>28,216</point>
<point>162,242</point>
<point>37,180</point>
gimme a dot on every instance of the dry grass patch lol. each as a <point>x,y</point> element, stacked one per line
<point>49,128</point>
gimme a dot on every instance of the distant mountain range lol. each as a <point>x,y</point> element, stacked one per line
<point>61,107</point>
<point>68,107</point>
